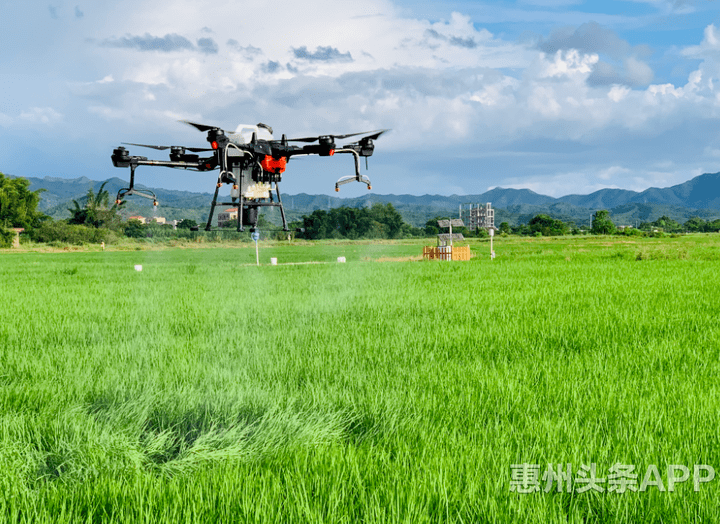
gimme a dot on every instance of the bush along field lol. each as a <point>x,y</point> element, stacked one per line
<point>565,381</point>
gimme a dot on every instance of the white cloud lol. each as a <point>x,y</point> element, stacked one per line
<point>108,113</point>
<point>447,88</point>
<point>638,72</point>
<point>613,172</point>
<point>570,63</point>
<point>447,79</point>
<point>618,93</point>
<point>41,115</point>
<point>381,42</point>
<point>588,180</point>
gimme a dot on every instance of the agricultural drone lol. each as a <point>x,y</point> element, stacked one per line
<point>251,161</point>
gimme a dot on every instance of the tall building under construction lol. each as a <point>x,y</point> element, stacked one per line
<point>478,216</point>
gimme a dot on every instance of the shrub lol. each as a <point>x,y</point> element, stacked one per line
<point>6,237</point>
<point>632,232</point>
<point>61,231</point>
<point>134,229</point>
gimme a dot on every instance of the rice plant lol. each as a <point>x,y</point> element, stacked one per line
<point>204,388</point>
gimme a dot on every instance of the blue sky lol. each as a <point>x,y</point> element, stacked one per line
<point>559,96</point>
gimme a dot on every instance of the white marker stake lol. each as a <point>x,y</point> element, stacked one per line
<point>138,267</point>
<point>492,251</point>
<point>273,261</point>
<point>256,236</point>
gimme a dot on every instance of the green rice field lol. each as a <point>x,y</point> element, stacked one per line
<point>387,389</point>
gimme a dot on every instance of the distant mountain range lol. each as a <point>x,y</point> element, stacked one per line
<point>697,197</point>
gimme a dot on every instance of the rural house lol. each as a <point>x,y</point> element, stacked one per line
<point>227,216</point>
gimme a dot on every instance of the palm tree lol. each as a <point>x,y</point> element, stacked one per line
<point>95,212</point>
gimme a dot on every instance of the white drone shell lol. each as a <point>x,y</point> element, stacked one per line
<point>243,134</point>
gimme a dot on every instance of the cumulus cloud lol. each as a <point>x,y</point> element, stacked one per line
<point>458,32</point>
<point>622,64</point>
<point>41,115</point>
<point>468,42</point>
<point>207,46</point>
<point>590,37</point>
<point>638,73</point>
<point>248,49</point>
<point>248,52</point>
<point>147,42</point>
<point>633,72</point>
<point>271,67</point>
<point>709,47</point>
<point>167,44</point>
<point>463,88</point>
<point>324,54</point>
<point>576,96</point>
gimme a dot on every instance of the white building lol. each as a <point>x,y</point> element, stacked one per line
<point>226,217</point>
<point>478,216</point>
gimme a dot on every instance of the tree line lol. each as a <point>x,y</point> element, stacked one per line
<point>18,208</point>
<point>602,224</point>
<point>94,219</point>
<point>378,221</point>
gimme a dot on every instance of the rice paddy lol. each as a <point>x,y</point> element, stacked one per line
<point>206,389</point>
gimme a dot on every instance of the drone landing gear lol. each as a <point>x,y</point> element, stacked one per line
<point>282,209</point>
<point>248,210</point>
<point>132,190</point>
<point>358,177</point>
<point>348,179</point>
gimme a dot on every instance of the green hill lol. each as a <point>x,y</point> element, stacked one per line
<point>697,197</point>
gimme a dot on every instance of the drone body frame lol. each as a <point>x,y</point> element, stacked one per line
<point>252,166</point>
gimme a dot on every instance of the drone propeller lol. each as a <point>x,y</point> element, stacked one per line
<point>374,136</point>
<point>201,127</point>
<point>163,148</point>
<point>339,137</point>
